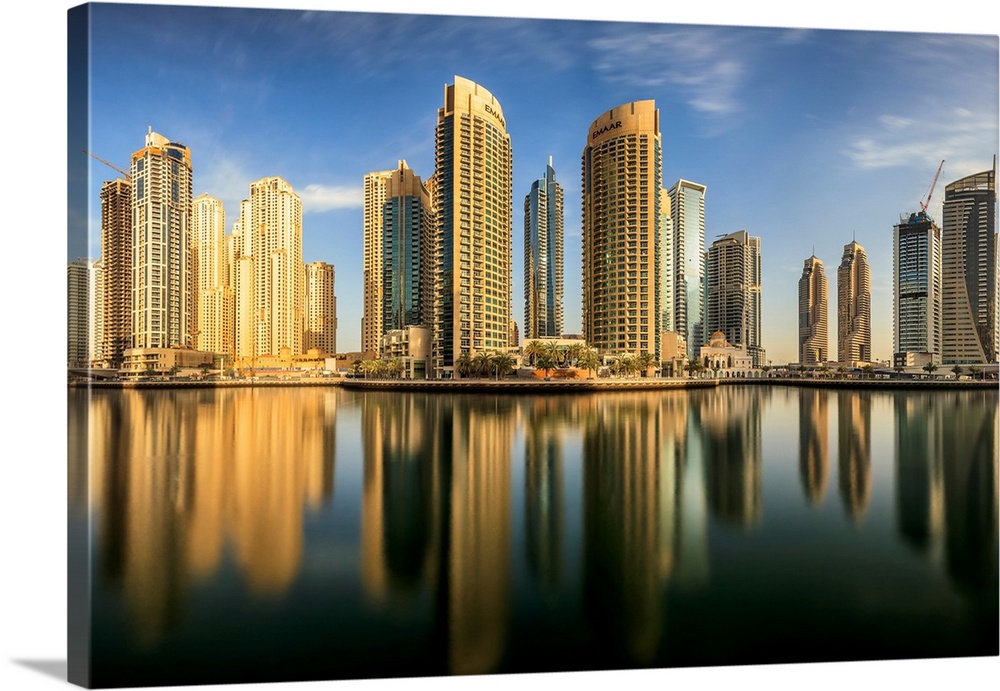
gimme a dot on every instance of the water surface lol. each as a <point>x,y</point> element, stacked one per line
<point>299,533</point>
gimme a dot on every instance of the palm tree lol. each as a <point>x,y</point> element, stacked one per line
<point>573,353</point>
<point>481,365</point>
<point>957,369</point>
<point>463,365</point>
<point>503,363</point>
<point>544,361</point>
<point>644,361</point>
<point>929,367</point>
<point>842,370</point>
<point>899,368</point>
<point>395,367</point>
<point>869,370</point>
<point>974,370</point>
<point>555,353</point>
<point>589,361</point>
<point>693,367</point>
<point>532,349</point>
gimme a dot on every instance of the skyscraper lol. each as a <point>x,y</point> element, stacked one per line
<point>543,257</point>
<point>687,202</point>
<point>116,259</point>
<point>164,311</point>
<point>969,270</point>
<point>321,308</point>
<point>215,301</point>
<point>732,292</point>
<point>622,178</point>
<point>77,312</point>
<point>813,338</point>
<point>916,291</point>
<point>271,309</point>
<point>667,321</point>
<point>239,258</point>
<point>373,267</point>
<point>473,183</point>
<point>854,311</point>
<point>407,252</point>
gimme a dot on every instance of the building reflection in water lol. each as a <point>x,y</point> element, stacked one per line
<point>630,510</point>
<point>814,464</point>
<point>919,470</point>
<point>730,423</point>
<point>480,436</point>
<point>543,492</point>
<point>402,497</point>
<point>854,465</point>
<point>177,476</point>
<point>970,454</point>
<point>946,482</point>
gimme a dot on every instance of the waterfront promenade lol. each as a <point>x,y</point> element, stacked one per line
<point>540,386</point>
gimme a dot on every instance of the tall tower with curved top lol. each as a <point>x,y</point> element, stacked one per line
<point>622,178</point>
<point>969,270</point>
<point>473,185</point>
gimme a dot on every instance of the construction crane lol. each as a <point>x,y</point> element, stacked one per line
<point>113,166</point>
<point>924,205</point>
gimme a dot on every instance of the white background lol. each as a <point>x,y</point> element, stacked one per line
<point>32,315</point>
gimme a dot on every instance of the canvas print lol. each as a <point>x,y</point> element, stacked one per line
<point>413,345</point>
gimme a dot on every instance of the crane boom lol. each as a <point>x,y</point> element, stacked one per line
<point>924,205</point>
<point>109,165</point>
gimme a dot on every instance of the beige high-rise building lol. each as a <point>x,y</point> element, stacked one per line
<point>215,301</point>
<point>116,261</point>
<point>473,186</point>
<point>969,260</point>
<point>622,179</point>
<point>321,308</point>
<point>854,307</point>
<point>239,261</point>
<point>164,311</point>
<point>813,337</point>
<point>270,315</point>
<point>371,319</point>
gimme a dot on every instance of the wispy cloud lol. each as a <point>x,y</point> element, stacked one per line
<point>225,179</point>
<point>320,198</point>
<point>700,62</point>
<point>959,136</point>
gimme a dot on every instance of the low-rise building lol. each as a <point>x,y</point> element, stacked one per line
<point>719,355</point>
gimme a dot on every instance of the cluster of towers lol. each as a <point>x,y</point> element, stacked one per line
<point>169,277</point>
<point>438,257</point>
<point>944,288</point>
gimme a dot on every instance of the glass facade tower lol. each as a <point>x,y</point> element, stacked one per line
<point>687,201</point>
<point>916,290</point>
<point>407,252</point>
<point>543,258</point>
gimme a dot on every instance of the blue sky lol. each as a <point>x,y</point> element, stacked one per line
<point>805,138</point>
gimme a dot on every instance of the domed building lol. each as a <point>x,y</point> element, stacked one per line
<point>721,356</point>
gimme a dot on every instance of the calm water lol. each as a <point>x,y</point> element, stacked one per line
<point>293,534</point>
